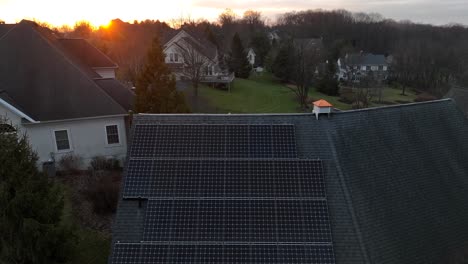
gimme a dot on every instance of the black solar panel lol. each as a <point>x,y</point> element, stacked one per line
<point>144,141</point>
<point>284,144</point>
<point>222,254</point>
<point>237,221</point>
<point>125,253</point>
<point>261,141</point>
<point>237,141</point>
<point>214,141</point>
<point>224,178</point>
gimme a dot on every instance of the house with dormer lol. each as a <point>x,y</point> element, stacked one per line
<point>62,93</point>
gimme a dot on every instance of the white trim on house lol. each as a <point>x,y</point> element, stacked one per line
<point>70,144</point>
<point>16,111</point>
<point>118,135</point>
<point>73,119</point>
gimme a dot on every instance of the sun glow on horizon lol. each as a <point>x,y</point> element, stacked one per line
<point>97,13</point>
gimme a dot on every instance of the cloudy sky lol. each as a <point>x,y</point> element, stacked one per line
<point>99,12</point>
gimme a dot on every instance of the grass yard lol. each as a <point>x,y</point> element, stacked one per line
<point>259,94</point>
<point>265,94</point>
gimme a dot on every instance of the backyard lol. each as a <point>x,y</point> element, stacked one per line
<point>265,94</point>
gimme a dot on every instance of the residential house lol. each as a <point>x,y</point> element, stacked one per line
<point>356,66</point>
<point>184,48</point>
<point>251,56</point>
<point>62,93</point>
<point>273,36</point>
<point>378,185</point>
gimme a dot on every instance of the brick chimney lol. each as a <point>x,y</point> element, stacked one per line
<point>321,107</point>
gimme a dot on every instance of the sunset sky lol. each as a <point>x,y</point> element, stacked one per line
<point>100,12</point>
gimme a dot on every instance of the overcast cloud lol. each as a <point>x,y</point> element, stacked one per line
<point>426,11</point>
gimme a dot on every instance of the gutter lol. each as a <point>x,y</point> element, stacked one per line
<point>73,119</point>
<point>16,111</point>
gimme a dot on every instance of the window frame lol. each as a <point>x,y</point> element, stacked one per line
<point>118,135</point>
<point>70,145</point>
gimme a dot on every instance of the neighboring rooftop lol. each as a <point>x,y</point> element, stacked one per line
<point>395,177</point>
<point>51,78</point>
<point>366,59</point>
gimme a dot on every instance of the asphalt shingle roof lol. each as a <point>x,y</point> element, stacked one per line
<point>82,50</point>
<point>44,80</point>
<point>366,59</point>
<point>396,179</point>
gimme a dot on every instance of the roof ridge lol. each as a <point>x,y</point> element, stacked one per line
<point>394,106</point>
<point>77,68</point>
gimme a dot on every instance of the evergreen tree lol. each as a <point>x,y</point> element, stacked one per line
<point>282,65</point>
<point>31,207</point>
<point>238,61</point>
<point>156,86</point>
<point>261,45</point>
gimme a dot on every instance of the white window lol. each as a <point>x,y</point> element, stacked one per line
<point>176,57</point>
<point>62,140</point>
<point>384,68</point>
<point>112,134</point>
<point>171,56</point>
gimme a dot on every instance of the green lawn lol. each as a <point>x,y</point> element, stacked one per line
<point>259,94</point>
<point>265,94</point>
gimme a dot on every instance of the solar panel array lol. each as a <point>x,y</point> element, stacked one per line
<point>227,178</point>
<point>144,253</point>
<point>215,141</point>
<point>225,194</point>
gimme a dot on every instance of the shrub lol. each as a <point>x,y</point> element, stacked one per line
<point>103,192</point>
<point>70,163</point>
<point>328,86</point>
<point>103,163</point>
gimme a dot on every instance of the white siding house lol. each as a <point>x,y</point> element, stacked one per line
<point>62,94</point>
<point>251,56</point>
<point>86,137</point>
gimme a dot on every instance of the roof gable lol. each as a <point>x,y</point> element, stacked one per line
<point>201,44</point>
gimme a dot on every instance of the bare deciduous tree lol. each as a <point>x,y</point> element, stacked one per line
<point>305,60</point>
<point>194,62</point>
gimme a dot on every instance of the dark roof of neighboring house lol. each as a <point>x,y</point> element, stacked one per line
<point>366,59</point>
<point>82,50</point>
<point>122,95</point>
<point>47,83</point>
<point>396,179</point>
<point>460,96</point>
